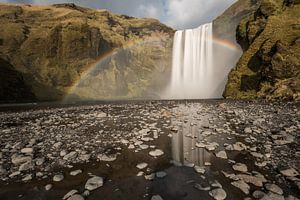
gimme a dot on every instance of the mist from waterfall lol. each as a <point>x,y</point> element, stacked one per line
<point>193,72</point>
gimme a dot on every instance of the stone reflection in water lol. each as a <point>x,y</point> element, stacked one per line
<point>184,148</point>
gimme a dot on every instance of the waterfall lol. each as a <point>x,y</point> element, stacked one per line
<point>192,67</point>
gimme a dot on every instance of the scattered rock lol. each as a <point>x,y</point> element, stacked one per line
<point>94,183</point>
<point>69,194</point>
<point>274,188</point>
<point>75,172</point>
<point>221,154</point>
<point>156,197</point>
<point>161,174</point>
<point>242,186</point>
<point>240,167</point>
<point>48,187</point>
<point>218,194</point>
<point>156,153</point>
<point>289,172</point>
<point>27,150</point>
<point>58,178</point>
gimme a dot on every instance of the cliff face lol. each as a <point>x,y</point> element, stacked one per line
<point>225,25</point>
<point>270,65</point>
<point>51,47</point>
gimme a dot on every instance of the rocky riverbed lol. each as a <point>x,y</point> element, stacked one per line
<point>151,150</point>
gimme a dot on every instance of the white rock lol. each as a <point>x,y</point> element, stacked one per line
<point>289,172</point>
<point>199,169</point>
<point>48,187</point>
<point>218,194</point>
<point>221,154</point>
<point>141,165</point>
<point>69,194</point>
<point>106,158</point>
<point>58,178</point>
<point>27,150</point>
<point>94,183</point>
<point>156,197</point>
<point>240,167</point>
<point>76,197</point>
<point>75,172</point>
<point>156,153</point>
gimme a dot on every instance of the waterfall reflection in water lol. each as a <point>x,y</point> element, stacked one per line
<point>184,148</point>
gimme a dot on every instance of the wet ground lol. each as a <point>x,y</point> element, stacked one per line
<point>186,150</point>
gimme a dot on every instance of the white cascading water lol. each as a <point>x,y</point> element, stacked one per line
<point>192,67</point>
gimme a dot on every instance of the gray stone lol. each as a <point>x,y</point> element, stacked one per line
<point>203,188</point>
<point>69,194</point>
<point>141,165</point>
<point>25,166</point>
<point>289,172</point>
<point>76,197</point>
<point>18,159</point>
<point>107,158</point>
<point>255,180</point>
<point>200,170</point>
<point>70,156</point>
<point>218,194</point>
<point>242,186</point>
<point>274,188</point>
<point>156,153</point>
<point>221,154</point>
<point>257,194</point>
<point>272,196</point>
<point>75,172</point>
<point>94,183</point>
<point>27,150</point>
<point>48,187</point>
<point>240,167</point>
<point>156,197</point>
<point>58,178</point>
<point>161,174</point>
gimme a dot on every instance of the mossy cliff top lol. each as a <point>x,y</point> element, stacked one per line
<point>50,47</point>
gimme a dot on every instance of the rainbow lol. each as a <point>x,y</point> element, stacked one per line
<point>91,66</point>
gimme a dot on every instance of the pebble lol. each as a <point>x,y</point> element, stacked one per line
<point>94,183</point>
<point>274,188</point>
<point>76,197</point>
<point>218,194</point>
<point>69,194</point>
<point>156,197</point>
<point>27,150</point>
<point>289,172</point>
<point>240,167</point>
<point>156,153</point>
<point>200,170</point>
<point>221,154</point>
<point>242,186</point>
<point>141,165</point>
<point>161,174</point>
<point>48,187</point>
<point>75,172</point>
<point>58,178</point>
